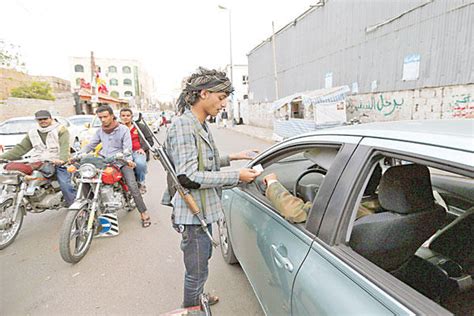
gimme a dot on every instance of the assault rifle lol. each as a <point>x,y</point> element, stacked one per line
<point>160,154</point>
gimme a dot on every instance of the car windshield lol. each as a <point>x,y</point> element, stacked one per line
<point>17,127</point>
<point>80,121</point>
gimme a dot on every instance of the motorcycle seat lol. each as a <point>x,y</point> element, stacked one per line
<point>26,168</point>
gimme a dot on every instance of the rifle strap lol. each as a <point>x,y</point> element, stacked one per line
<point>201,168</point>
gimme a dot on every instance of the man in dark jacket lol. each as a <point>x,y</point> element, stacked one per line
<point>139,146</point>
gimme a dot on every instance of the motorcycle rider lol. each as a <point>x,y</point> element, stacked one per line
<point>115,138</point>
<point>48,142</point>
<point>139,146</point>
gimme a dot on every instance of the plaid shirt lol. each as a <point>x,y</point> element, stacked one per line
<point>182,149</point>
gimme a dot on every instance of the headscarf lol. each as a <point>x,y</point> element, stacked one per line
<point>203,79</point>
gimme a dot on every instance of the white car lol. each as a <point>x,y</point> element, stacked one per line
<point>13,130</point>
<point>82,122</point>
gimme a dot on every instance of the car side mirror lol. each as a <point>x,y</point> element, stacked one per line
<point>87,125</point>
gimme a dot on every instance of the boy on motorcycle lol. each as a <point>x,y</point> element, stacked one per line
<point>139,146</point>
<point>49,142</point>
<point>115,138</point>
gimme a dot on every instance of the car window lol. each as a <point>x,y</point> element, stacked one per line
<point>301,172</point>
<point>17,127</point>
<point>415,222</point>
<point>96,122</point>
<point>80,121</point>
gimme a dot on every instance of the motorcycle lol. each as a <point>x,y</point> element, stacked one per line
<point>101,191</point>
<point>25,187</point>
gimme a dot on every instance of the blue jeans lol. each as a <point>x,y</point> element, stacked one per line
<point>64,179</point>
<point>197,250</point>
<point>141,168</point>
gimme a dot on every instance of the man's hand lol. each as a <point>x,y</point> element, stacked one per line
<point>248,175</point>
<point>57,162</point>
<point>244,155</point>
<point>268,177</point>
<point>141,151</point>
<point>131,164</point>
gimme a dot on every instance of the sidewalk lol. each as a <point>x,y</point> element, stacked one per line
<point>264,134</point>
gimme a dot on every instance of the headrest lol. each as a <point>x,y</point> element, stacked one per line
<point>406,189</point>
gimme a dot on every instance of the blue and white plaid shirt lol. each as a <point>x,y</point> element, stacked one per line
<point>182,149</point>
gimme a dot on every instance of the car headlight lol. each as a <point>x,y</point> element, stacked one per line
<point>87,170</point>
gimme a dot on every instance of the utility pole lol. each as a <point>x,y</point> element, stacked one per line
<point>275,74</point>
<point>93,83</point>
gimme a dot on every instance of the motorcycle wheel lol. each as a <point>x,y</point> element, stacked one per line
<point>74,240</point>
<point>7,236</point>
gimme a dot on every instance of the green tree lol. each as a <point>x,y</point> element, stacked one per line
<point>10,56</point>
<point>36,90</point>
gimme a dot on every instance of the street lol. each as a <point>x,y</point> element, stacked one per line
<point>138,272</point>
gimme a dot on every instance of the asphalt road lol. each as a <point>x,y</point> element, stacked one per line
<point>138,272</point>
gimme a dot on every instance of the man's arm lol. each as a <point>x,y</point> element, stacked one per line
<point>183,152</point>
<point>19,150</point>
<point>95,140</point>
<point>290,207</point>
<point>64,145</point>
<point>127,143</point>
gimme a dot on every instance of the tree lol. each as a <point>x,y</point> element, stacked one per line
<point>10,56</point>
<point>36,90</point>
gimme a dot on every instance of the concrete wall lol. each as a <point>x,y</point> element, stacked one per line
<point>15,107</point>
<point>365,41</point>
<point>415,104</point>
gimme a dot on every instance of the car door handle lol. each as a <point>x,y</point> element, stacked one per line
<point>280,260</point>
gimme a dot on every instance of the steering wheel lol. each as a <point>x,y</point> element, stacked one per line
<point>302,175</point>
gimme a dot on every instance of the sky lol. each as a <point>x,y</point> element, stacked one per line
<point>170,38</point>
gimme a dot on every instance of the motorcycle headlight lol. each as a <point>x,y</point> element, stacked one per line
<point>87,170</point>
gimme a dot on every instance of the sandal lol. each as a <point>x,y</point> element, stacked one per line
<point>146,222</point>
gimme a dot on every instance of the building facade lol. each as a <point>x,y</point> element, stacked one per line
<point>400,59</point>
<point>125,79</point>
<point>238,99</point>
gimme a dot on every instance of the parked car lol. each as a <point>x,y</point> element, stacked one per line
<point>13,130</point>
<point>412,253</point>
<point>81,121</point>
<point>153,121</point>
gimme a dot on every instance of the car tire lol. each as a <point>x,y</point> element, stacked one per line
<point>225,244</point>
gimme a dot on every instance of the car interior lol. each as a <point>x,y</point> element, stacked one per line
<point>424,228</point>
<point>415,222</point>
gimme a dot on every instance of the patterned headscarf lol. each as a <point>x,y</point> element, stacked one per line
<point>203,79</point>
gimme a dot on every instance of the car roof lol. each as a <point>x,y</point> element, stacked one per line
<point>457,134</point>
<point>80,115</point>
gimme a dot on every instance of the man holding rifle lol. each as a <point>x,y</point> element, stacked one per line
<point>191,148</point>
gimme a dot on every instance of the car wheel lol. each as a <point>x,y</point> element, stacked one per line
<point>226,246</point>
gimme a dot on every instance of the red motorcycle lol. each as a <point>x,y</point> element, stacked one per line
<point>101,192</point>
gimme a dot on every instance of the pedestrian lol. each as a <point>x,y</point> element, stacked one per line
<point>139,146</point>
<point>224,116</point>
<point>115,138</point>
<point>191,148</point>
<point>218,120</point>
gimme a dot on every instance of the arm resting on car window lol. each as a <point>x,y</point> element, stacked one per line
<point>290,207</point>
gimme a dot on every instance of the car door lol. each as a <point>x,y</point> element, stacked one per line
<point>269,248</point>
<point>334,279</point>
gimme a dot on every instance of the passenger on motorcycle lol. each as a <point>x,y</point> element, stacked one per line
<point>115,138</point>
<point>139,146</point>
<point>49,142</point>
